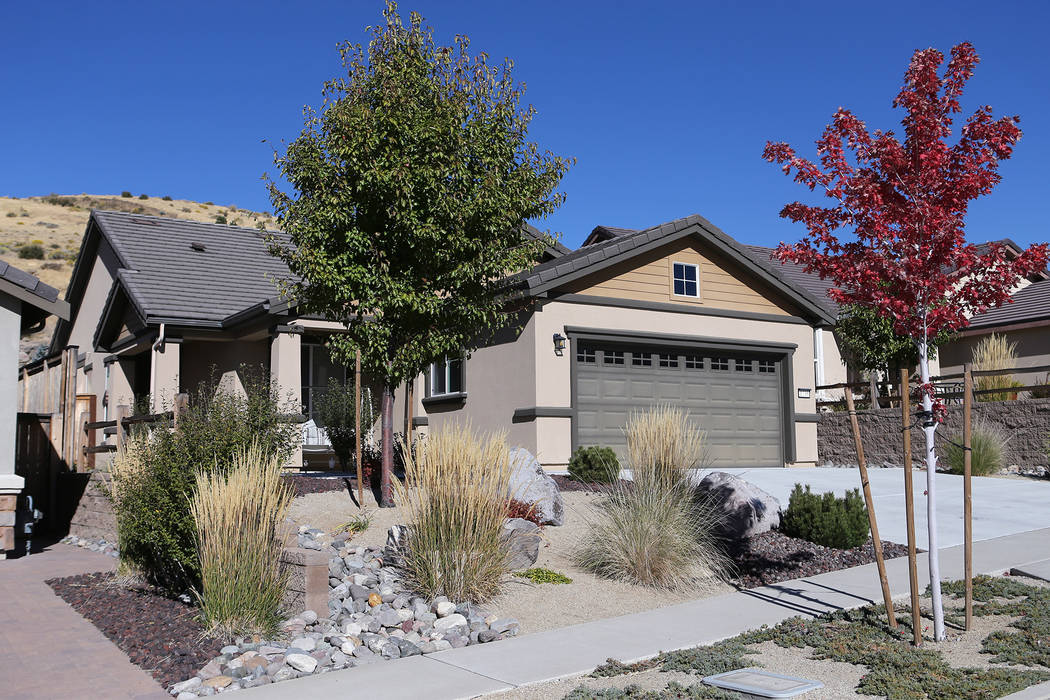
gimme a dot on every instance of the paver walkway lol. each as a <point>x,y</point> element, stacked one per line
<point>47,650</point>
<point>489,668</point>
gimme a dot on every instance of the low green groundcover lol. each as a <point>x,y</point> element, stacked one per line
<point>896,669</point>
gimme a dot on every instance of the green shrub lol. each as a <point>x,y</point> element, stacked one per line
<point>11,215</point>
<point>125,193</point>
<point>594,464</point>
<point>31,251</point>
<point>1042,391</point>
<point>143,196</point>
<point>651,531</point>
<point>166,198</point>
<point>335,412</point>
<point>240,528</point>
<point>220,219</point>
<point>987,445</point>
<point>454,499</point>
<point>827,520</point>
<point>540,575</point>
<point>151,498</point>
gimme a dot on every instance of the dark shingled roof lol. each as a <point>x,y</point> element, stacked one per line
<point>810,281</point>
<point>1029,304</point>
<point>28,282</point>
<point>39,300</point>
<point>167,277</point>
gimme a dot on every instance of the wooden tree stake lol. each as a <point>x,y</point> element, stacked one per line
<point>876,542</point>
<point>909,507</point>
<point>357,429</point>
<point>967,493</point>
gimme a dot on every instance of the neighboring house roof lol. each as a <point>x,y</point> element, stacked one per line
<point>39,300</point>
<point>810,281</point>
<point>1030,304</point>
<point>604,233</point>
<point>624,245</point>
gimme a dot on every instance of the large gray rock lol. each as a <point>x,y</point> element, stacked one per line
<point>530,484</point>
<point>523,543</point>
<point>742,509</point>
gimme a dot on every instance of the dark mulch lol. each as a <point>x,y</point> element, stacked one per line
<point>773,557</point>
<point>302,485</point>
<point>566,484</point>
<point>159,634</point>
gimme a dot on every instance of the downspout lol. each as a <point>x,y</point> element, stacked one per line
<point>159,343</point>
<point>818,359</point>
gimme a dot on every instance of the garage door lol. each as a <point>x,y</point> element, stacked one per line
<point>735,397</point>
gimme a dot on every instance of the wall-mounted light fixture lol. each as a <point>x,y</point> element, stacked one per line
<point>559,344</point>
<point>804,393</point>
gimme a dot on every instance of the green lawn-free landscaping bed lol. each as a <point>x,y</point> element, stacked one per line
<point>1008,650</point>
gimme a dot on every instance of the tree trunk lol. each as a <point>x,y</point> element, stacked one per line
<point>386,496</point>
<point>931,497</point>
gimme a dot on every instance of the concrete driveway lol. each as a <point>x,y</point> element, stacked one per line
<point>1001,506</point>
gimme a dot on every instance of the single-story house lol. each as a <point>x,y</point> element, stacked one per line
<point>677,313</point>
<point>25,303</point>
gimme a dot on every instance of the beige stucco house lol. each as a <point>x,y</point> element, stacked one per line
<point>679,313</point>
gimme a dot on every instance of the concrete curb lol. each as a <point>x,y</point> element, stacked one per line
<point>487,668</point>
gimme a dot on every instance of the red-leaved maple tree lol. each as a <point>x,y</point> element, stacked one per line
<point>894,238</point>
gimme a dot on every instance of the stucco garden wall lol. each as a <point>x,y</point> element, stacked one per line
<point>1026,422</point>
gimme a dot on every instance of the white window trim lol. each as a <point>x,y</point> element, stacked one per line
<point>696,267</point>
<point>446,364</point>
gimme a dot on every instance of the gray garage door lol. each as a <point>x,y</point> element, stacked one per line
<point>736,398</point>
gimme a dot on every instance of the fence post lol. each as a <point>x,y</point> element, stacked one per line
<point>909,508</point>
<point>967,493</point>
<point>357,429</point>
<point>123,411</point>
<point>872,523</point>
<point>182,405</point>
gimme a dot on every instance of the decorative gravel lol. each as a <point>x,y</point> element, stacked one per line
<point>773,557</point>
<point>159,634</point>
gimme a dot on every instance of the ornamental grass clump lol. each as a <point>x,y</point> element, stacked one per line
<point>996,352</point>
<point>239,518</point>
<point>651,531</point>
<point>454,499</point>
<point>988,449</point>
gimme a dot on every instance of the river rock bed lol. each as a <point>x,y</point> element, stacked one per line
<point>371,617</point>
<point>94,544</point>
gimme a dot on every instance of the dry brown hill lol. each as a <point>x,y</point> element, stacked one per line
<point>42,235</point>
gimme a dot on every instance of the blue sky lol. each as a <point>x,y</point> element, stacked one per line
<point>665,106</point>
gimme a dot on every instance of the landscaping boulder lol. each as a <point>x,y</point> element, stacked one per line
<point>743,509</point>
<point>523,538</point>
<point>530,484</point>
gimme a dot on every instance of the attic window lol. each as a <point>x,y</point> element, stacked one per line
<point>198,246</point>
<point>686,280</point>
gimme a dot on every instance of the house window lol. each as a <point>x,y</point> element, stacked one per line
<point>686,280</point>
<point>318,369</point>
<point>668,360</point>
<point>586,355</point>
<point>612,357</point>
<point>720,363</point>
<point>642,359</point>
<point>446,376</point>
<point>694,362</point>
<point>767,366</point>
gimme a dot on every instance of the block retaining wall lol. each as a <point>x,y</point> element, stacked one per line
<point>1026,422</point>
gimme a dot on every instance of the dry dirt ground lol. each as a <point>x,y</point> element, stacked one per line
<point>57,223</point>
<point>538,607</point>
<point>961,649</point>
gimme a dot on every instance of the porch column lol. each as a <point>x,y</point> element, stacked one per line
<point>287,376</point>
<point>164,374</point>
<point>10,483</point>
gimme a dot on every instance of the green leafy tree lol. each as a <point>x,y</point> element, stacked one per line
<point>410,189</point>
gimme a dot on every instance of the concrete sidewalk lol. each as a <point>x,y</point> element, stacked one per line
<point>47,650</point>
<point>488,668</point>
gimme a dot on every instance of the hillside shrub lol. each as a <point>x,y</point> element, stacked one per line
<point>220,219</point>
<point>651,531</point>
<point>454,498</point>
<point>827,520</point>
<point>239,517</point>
<point>11,215</point>
<point>31,251</point>
<point>594,464</point>
<point>166,198</point>
<point>155,480</point>
<point>144,196</point>
<point>125,193</point>
<point>988,449</point>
